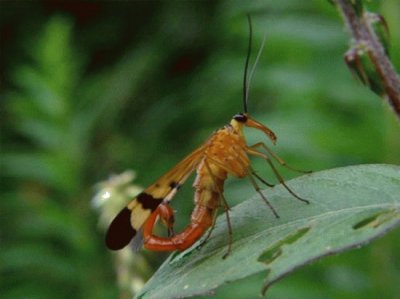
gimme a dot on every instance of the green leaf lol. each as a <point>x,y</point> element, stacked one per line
<point>349,207</point>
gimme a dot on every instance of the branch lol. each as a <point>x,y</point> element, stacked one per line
<point>367,57</point>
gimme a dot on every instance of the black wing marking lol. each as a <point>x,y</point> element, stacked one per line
<point>131,218</point>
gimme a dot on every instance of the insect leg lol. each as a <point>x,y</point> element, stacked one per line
<point>210,230</point>
<point>253,172</point>
<point>257,188</point>
<point>281,180</point>
<point>226,209</point>
<point>277,158</point>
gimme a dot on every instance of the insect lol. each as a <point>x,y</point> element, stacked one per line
<point>224,153</point>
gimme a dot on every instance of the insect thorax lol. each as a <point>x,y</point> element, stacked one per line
<point>227,150</point>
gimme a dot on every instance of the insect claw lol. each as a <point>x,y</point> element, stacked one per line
<point>294,194</point>
<point>228,251</point>
<point>304,200</point>
<point>274,211</point>
<point>226,254</point>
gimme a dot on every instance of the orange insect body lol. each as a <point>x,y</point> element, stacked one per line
<point>224,153</point>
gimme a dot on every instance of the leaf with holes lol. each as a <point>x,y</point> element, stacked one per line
<point>349,207</point>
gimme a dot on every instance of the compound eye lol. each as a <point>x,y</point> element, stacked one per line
<point>240,117</point>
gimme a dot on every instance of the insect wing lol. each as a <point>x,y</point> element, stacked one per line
<point>131,218</point>
<point>137,241</point>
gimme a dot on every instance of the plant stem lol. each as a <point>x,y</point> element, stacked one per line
<point>364,35</point>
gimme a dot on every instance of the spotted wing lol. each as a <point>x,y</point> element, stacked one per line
<point>131,218</point>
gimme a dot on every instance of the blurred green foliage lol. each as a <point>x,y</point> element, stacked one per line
<point>93,88</point>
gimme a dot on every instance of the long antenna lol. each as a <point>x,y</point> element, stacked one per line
<point>246,66</point>
<point>254,67</point>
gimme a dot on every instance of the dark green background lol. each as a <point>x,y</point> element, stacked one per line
<point>94,88</point>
